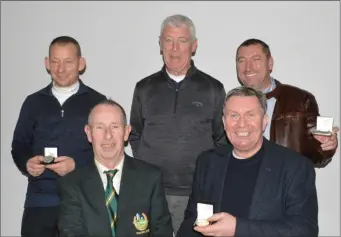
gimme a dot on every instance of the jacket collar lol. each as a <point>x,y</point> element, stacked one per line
<point>47,90</point>
<point>189,73</point>
<point>275,92</point>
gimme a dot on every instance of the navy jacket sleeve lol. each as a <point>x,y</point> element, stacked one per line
<point>301,210</point>
<point>186,228</point>
<point>23,135</point>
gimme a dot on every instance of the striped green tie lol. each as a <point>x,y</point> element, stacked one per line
<point>111,198</point>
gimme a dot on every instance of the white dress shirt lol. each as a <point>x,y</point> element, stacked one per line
<point>117,178</point>
<point>271,106</point>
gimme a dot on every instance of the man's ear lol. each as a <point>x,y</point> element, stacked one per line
<point>223,119</point>
<point>265,121</point>
<point>160,45</point>
<point>194,47</point>
<point>82,64</point>
<point>127,132</point>
<point>271,63</point>
<point>47,63</point>
<point>88,132</point>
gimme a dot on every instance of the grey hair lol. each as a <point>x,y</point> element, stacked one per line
<point>248,91</point>
<point>179,21</point>
<point>111,103</point>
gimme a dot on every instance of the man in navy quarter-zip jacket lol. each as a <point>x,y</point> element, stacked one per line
<point>53,117</point>
<point>176,114</point>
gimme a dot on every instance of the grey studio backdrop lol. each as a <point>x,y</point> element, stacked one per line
<point>120,42</point>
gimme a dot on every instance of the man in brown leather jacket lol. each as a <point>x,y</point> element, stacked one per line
<point>293,110</point>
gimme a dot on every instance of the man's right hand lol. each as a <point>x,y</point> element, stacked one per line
<point>34,166</point>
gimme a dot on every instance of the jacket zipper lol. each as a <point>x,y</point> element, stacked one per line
<point>175,101</point>
<point>62,113</point>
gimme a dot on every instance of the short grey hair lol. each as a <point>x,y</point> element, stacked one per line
<point>112,103</point>
<point>248,91</point>
<point>179,21</point>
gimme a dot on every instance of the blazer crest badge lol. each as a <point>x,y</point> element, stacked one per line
<point>141,223</point>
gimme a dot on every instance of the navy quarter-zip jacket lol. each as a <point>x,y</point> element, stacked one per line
<point>43,122</point>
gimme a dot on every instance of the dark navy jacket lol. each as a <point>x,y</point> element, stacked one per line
<point>284,202</point>
<point>43,122</point>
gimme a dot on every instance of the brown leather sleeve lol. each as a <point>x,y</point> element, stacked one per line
<point>321,158</point>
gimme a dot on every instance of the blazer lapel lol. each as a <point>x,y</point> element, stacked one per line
<point>216,179</point>
<point>92,188</point>
<point>264,177</point>
<point>127,184</point>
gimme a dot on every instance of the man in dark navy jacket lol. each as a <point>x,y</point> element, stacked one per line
<point>257,188</point>
<point>53,117</point>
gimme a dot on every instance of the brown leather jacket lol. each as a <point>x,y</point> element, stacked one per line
<point>294,116</point>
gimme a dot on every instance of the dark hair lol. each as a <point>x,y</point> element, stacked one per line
<point>63,40</point>
<point>248,42</point>
<point>111,103</point>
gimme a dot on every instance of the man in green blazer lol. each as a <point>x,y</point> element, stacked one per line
<point>116,195</point>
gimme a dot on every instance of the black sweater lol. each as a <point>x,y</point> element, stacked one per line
<point>240,182</point>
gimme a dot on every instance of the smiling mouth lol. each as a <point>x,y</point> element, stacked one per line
<point>107,145</point>
<point>175,57</point>
<point>251,75</point>
<point>242,134</point>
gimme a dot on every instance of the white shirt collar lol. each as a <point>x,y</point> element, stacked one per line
<point>117,178</point>
<point>271,87</point>
<point>101,168</point>
<point>65,91</point>
<point>176,78</point>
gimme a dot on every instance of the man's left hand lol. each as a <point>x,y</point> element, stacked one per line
<point>63,165</point>
<point>328,142</point>
<point>225,225</point>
